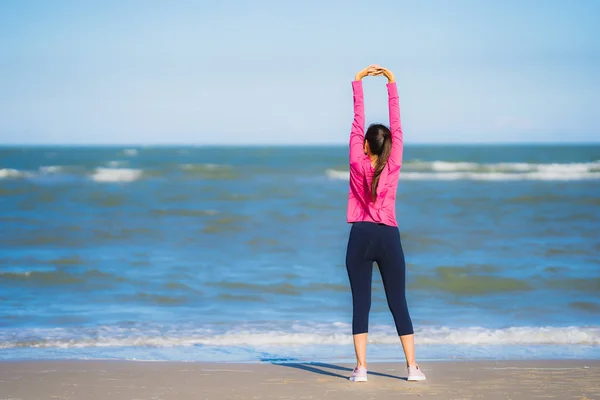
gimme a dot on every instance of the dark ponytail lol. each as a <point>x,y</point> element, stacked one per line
<point>380,144</point>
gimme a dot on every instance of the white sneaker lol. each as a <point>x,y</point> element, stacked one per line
<point>359,375</point>
<point>415,373</point>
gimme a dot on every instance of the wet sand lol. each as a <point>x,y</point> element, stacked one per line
<point>104,380</point>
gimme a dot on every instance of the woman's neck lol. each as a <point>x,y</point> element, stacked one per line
<point>373,159</point>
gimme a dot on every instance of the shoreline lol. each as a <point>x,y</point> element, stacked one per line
<point>590,360</point>
<point>456,379</point>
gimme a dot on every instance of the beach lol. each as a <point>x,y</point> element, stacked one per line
<point>115,380</point>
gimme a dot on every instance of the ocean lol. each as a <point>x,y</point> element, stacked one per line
<point>236,254</point>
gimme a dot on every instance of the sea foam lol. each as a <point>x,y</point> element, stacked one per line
<point>321,335</point>
<point>444,170</point>
<point>115,163</point>
<point>116,174</point>
<point>7,173</point>
<point>51,169</point>
<point>130,152</point>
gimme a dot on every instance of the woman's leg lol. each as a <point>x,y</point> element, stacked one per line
<point>393,273</point>
<point>360,273</point>
<point>360,349</point>
<point>408,345</point>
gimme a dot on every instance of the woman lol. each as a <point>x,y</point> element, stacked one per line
<point>375,160</point>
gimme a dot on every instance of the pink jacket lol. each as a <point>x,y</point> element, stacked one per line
<point>360,204</point>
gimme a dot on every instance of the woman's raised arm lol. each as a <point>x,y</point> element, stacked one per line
<point>357,135</point>
<point>395,159</point>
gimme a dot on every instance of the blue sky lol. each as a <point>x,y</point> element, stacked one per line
<point>279,72</point>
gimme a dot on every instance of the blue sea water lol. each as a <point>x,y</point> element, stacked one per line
<point>237,254</point>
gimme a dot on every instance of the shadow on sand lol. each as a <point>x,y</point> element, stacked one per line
<point>320,368</point>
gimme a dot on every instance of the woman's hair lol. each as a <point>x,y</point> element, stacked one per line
<point>379,138</point>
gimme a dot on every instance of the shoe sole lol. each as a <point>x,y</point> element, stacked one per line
<point>416,378</point>
<point>358,379</point>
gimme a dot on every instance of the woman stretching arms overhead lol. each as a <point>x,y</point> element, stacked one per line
<point>375,160</point>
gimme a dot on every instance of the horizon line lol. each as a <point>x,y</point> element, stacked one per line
<point>4,145</point>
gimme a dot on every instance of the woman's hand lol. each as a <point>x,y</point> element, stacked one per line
<point>375,70</point>
<point>386,72</point>
<point>369,71</point>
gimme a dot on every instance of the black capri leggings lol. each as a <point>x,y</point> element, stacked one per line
<point>370,242</point>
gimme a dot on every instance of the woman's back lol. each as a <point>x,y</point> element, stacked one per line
<point>361,207</point>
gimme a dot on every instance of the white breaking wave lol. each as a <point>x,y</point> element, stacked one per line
<point>303,336</point>
<point>51,169</point>
<point>130,152</point>
<point>444,170</point>
<point>16,174</point>
<point>501,176</point>
<point>115,164</point>
<point>447,166</point>
<point>444,166</point>
<point>6,173</point>
<point>206,167</point>
<point>25,273</point>
<point>337,174</point>
<point>116,174</point>
<point>431,336</point>
<point>573,335</point>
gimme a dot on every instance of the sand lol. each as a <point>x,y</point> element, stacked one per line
<point>105,380</point>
